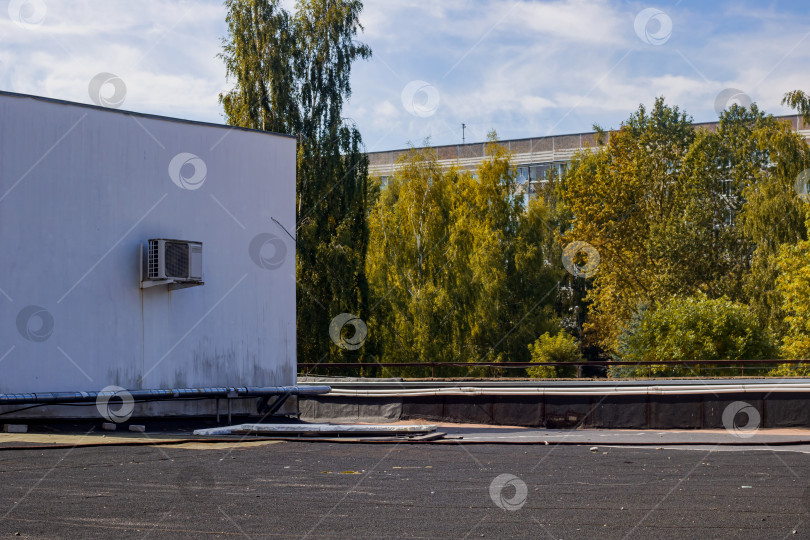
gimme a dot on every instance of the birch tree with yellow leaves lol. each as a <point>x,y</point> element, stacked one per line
<point>462,269</point>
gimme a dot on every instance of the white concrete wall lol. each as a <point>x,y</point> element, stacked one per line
<point>80,189</point>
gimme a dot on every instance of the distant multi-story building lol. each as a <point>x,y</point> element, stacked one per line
<point>531,157</point>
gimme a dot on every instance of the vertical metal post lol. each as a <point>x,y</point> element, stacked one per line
<point>217,401</point>
<point>229,412</point>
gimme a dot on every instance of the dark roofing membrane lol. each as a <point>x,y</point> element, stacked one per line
<point>141,115</point>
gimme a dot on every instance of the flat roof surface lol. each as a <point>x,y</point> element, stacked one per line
<point>307,490</point>
<point>138,114</point>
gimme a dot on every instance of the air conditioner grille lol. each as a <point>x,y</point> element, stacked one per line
<point>153,260</point>
<point>177,259</point>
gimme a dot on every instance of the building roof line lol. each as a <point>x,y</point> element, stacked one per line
<point>140,114</point>
<point>578,134</point>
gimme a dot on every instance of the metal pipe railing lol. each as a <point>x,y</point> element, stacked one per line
<point>742,364</point>
<point>521,365</point>
<point>36,398</point>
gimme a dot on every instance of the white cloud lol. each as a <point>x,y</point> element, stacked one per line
<point>522,68</point>
<point>565,65</point>
<point>583,21</point>
<point>384,113</point>
<point>165,52</point>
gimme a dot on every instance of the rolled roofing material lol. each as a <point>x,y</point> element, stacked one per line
<point>349,429</point>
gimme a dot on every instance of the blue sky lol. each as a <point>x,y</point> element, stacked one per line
<point>523,68</point>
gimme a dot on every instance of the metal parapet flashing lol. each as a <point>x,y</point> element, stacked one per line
<point>678,404</point>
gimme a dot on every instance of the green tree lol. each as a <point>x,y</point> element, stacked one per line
<point>800,101</point>
<point>409,263</point>
<point>259,56</point>
<point>291,74</point>
<point>692,328</point>
<point>793,283</point>
<point>459,266</point>
<point>678,211</point>
<point>621,198</point>
<point>772,214</point>
<point>792,264</point>
<point>550,348</point>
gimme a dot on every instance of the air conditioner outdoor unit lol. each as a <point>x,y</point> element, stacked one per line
<point>176,260</point>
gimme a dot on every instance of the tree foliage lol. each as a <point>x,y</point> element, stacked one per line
<point>461,268</point>
<point>550,348</point>
<point>793,285</point>
<point>793,282</point>
<point>701,235</point>
<point>259,57</point>
<point>291,74</point>
<point>619,196</point>
<point>692,328</point>
<point>800,101</point>
<point>676,210</point>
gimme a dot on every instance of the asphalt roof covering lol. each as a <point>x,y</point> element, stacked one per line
<point>373,491</point>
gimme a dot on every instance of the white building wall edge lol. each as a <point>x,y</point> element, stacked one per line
<point>81,189</point>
